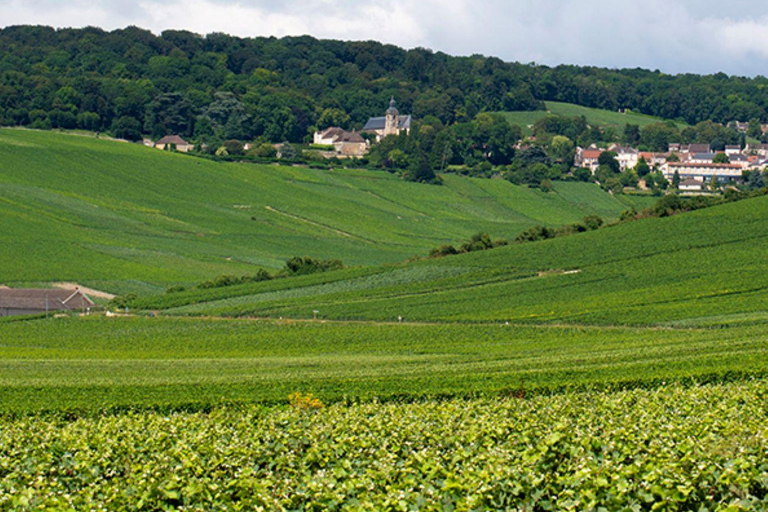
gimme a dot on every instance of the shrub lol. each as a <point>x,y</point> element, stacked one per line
<point>443,250</point>
<point>301,265</point>
<point>536,233</point>
<point>231,280</point>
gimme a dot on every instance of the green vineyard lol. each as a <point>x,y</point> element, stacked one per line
<point>673,449</point>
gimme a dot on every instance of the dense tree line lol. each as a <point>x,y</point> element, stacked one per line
<point>131,82</point>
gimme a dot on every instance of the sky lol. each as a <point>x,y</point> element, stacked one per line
<point>674,36</point>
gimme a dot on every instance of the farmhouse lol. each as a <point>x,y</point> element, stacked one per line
<point>391,124</point>
<point>654,159</point>
<point>174,141</point>
<point>691,185</point>
<point>588,158</point>
<point>20,301</point>
<point>344,143</point>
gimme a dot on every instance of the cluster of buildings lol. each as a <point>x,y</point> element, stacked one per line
<point>345,144</point>
<point>352,144</point>
<point>694,163</point>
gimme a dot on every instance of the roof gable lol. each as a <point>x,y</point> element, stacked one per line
<point>379,123</point>
<point>172,139</point>
<point>42,299</point>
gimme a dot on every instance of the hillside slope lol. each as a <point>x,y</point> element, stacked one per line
<point>594,116</point>
<point>123,217</point>
<point>702,268</point>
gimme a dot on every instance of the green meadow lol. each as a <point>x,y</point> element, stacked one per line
<point>594,116</point>
<point>126,218</point>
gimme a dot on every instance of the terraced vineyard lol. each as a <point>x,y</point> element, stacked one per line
<point>125,218</point>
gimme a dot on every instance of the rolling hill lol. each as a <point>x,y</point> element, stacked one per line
<point>126,218</point>
<point>700,268</point>
<point>681,298</point>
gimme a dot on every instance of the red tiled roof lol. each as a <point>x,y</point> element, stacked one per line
<point>591,153</point>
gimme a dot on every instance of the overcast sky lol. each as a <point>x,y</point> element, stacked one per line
<point>699,36</point>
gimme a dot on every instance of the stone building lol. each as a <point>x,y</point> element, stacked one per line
<point>391,124</point>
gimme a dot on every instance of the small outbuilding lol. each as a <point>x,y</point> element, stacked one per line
<point>176,142</point>
<point>32,301</point>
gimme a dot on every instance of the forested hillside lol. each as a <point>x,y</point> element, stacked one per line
<point>132,82</point>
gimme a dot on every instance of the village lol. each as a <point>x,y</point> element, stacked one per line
<point>693,166</point>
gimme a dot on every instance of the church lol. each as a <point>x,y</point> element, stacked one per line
<point>391,124</point>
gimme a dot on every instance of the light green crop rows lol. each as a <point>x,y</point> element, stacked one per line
<point>700,267</point>
<point>100,363</point>
<point>672,449</point>
<point>127,218</point>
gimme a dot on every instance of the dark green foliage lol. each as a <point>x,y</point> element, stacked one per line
<point>756,180</point>
<point>631,134</point>
<point>628,214</point>
<point>592,222</point>
<point>230,280</point>
<point>443,250</point>
<point>123,301</point>
<point>420,171</point>
<point>582,174</point>
<point>234,147</point>
<point>302,265</point>
<point>608,159</point>
<point>642,169</point>
<point>481,242</point>
<point>287,151</point>
<point>283,88</point>
<point>170,114</point>
<point>264,150</point>
<point>536,233</point>
<point>127,128</point>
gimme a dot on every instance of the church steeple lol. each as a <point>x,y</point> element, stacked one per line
<point>392,119</point>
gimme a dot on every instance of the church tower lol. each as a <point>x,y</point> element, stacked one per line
<point>392,119</point>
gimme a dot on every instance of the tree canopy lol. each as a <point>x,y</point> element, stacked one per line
<point>221,87</point>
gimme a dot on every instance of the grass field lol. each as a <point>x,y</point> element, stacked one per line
<point>594,116</point>
<point>125,218</point>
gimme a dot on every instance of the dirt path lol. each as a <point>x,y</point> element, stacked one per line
<point>85,290</point>
<point>317,224</point>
